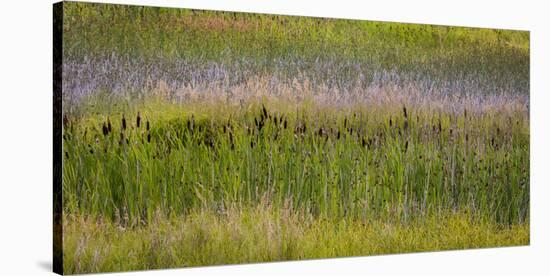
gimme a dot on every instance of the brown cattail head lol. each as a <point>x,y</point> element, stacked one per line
<point>405,111</point>
<point>138,120</point>
<point>147,125</point>
<point>123,123</point>
<point>105,129</point>
<point>148,137</point>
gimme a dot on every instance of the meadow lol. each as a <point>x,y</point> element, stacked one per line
<point>200,137</point>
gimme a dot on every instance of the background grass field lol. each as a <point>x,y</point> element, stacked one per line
<point>201,137</point>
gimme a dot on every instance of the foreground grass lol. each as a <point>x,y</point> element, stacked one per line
<point>261,235</point>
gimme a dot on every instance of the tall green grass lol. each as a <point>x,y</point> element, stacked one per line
<point>364,163</point>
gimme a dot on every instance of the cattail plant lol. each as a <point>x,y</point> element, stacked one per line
<point>105,129</point>
<point>138,120</point>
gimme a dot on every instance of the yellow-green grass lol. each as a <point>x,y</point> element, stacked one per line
<point>264,234</point>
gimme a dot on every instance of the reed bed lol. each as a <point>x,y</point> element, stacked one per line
<point>364,163</point>
<point>200,137</point>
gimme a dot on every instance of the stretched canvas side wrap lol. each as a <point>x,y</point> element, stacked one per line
<point>186,138</point>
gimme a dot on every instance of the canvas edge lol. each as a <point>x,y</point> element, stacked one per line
<point>57,136</point>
